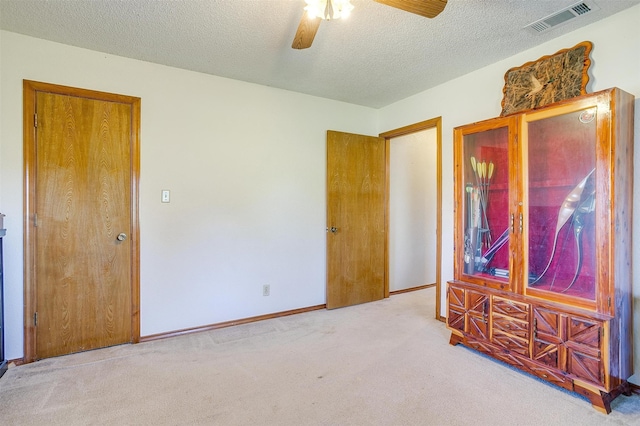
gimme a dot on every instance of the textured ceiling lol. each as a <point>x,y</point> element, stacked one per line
<point>378,56</point>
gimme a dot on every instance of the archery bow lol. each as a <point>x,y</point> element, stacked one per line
<point>567,210</point>
<point>488,255</point>
<point>587,206</point>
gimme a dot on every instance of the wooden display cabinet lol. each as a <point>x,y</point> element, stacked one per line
<point>542,269</point>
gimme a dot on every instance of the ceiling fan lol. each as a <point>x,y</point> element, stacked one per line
<point>317,10</point>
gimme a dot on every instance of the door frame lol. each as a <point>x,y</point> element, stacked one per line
<point>434,123</point>
<point>30,89</point>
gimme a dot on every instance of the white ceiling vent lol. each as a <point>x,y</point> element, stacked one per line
<point>562,16</point>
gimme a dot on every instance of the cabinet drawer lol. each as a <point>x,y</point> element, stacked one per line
<point>585,366</point>
<point>510,308</point>
<point>551,375</point>
<point>584,331</point>
<point>510,326</point>
<point>511,343</point>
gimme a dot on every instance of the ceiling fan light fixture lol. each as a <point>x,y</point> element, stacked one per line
<point>328,9</point>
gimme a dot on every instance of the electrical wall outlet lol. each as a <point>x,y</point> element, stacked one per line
<point>266,289</point>
<point>166,196</point>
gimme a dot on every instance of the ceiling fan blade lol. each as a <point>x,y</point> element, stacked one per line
<point>426,8</point>
<point>306,32</point>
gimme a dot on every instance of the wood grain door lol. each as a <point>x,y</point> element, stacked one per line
<point>356,209</point>
<point>84,293</point>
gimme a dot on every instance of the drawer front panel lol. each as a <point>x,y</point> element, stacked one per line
<point>510,308</point>
<point>509,326</point>
<point>584,332</point>
<point>550,375</point>
<point>585,366</point>
<point>511,343</point>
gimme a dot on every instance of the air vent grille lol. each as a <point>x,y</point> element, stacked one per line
<point>581,9</point>
<point>562,16</point>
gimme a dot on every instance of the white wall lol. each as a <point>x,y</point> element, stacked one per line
<point>246,168</point>
<point>477,96</point>
<point>412,210</point>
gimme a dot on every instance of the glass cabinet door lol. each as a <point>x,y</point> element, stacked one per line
<point>560,200</point>
<point>483,183</point>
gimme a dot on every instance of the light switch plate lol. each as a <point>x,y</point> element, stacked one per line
<point>166,196</point>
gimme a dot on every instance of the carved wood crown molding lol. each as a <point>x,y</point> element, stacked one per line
<point>549,79</point>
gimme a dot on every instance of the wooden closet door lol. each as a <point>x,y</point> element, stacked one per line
<point>82,281</point>
<point>356,208</point>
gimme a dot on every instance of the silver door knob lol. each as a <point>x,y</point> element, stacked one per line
<point>121,236</point>
<point>333,229</point>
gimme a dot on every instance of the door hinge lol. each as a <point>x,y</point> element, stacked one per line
<point>35,319</point>
<point>35,120</point>
<point>609,301</point>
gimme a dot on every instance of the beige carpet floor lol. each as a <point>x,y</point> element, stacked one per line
<point>382,363</point>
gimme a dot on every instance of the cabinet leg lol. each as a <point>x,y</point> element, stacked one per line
<point>455,339</point>
<point>601,401</point>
